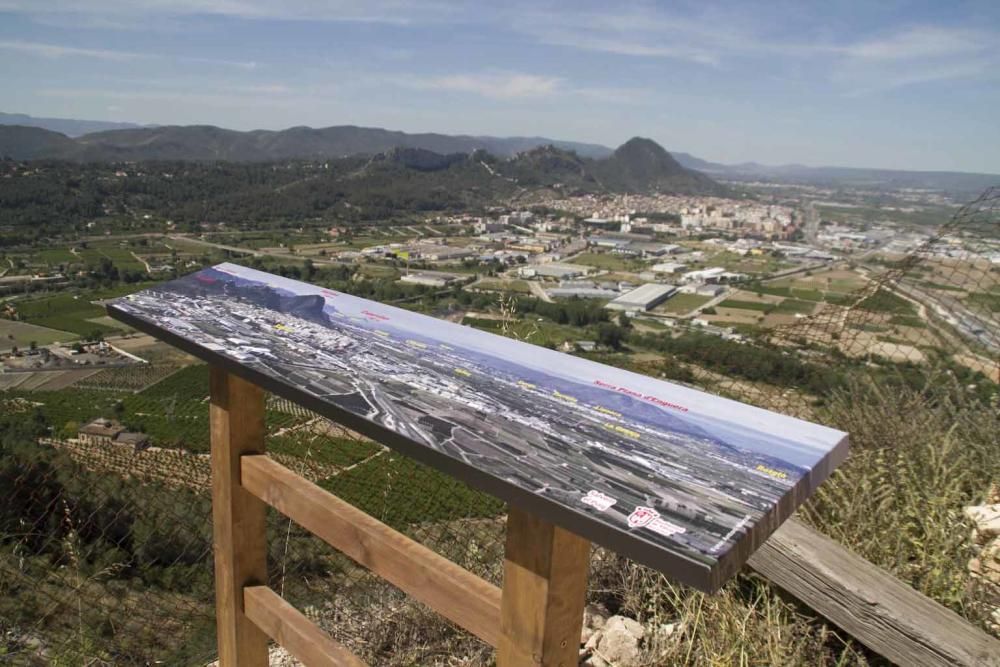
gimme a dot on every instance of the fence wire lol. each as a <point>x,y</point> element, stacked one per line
<point>106,556</point>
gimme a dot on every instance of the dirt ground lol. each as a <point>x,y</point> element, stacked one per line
<point>865,342</point>
<point>733,316</point>
<point>744,295</point>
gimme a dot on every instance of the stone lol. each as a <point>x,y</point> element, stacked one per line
<point>985,519</point>
<point>620,642</point>
<point>593,620</point>
<point>277,656</point>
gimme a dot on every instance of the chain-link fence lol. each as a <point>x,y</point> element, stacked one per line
<point>105,550</point>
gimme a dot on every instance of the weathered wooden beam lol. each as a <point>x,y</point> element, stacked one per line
<point>238,518</point>
<point>286,625</point>
<point>544,591</point>
<point>445,587</point>
<point>871,605</point>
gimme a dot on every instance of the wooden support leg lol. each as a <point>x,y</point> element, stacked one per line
<point>238,518</point>
<point>544,591</point>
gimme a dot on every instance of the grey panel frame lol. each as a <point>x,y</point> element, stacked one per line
<point>708,578</point>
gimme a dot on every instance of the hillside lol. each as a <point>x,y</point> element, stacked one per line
<point>33,143</point>
<point>100,141</point>
<point>71,127</point>
<point>353,188</point>
<point>642,165</point>
<point>962,184</point>
<point>206,142</point>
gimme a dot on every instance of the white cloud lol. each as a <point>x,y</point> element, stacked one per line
<point>504,86</point>
<point>726,41</point>
<point>224,99</point>
<point>60,51</point>
<point>920,42</point>
<point>629,31</point>
<point>120,13</point>
<point>46,50</point>
<point>913,56</point>
<point>629,46</point>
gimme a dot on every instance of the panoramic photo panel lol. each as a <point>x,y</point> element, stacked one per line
<point>679,479</point>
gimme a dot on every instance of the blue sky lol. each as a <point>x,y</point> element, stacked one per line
<point>882,84</point>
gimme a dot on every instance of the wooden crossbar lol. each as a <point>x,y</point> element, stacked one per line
<point>445,587</point>
<point>874,607</point>
<point>286,625</point>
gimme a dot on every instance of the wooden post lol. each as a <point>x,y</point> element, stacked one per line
<point>238,518</point>
<point>544,591</point>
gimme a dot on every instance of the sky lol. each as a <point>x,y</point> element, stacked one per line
<point>892,84</point>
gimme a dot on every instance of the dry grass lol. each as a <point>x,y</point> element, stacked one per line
<point>747,623</point>
<point>917,458</point>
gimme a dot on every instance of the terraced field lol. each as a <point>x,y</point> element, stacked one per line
<point>22,334</point>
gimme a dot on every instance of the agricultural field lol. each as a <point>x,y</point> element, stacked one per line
<point>42,380</point>
<point>317,249</point>
<point>748,301</point>
<point>132,378</point>
<point>361,242</point>
<point>121,257</point>
<point>832,286</point>
<point>755,265</point>
<point>500,285</point>
<point>320,450</point>
<point>733,316</point>
<point>378,271</point>
<point>986,301</point>
<point>681,304</point>
<point>622,277</point>
<point>54,256</point>
<point>173,411</point>
<point>65,312</point>
<point>608,262</point>
<point>396,491</point>
<point>75,313</point>
<point>22,334</point>
<point>539,332</point>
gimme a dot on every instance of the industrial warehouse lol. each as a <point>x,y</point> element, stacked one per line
<point>642,298</point>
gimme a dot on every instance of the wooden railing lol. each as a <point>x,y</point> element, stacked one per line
<point>536,618</point>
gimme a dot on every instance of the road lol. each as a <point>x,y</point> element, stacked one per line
<point>149,269</point>
<point>972,326</point>
<point>249,251</point>
<point>536,289</point>
<point>810,227</point>
<point>711,304</point>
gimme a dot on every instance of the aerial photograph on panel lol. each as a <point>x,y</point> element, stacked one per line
<point>685,471</point>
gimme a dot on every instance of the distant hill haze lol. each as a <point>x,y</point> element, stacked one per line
<point>640,165</point>
<point>71,127</point>
<point>206,142</point>
<point>23,137</point>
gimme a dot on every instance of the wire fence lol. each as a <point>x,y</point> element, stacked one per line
<point>106,552</point>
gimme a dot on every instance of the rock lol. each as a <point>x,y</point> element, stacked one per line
<point>986,564</point>
<point>620,642</point>
<point>596,661</point>
<point>667,630</point>
<point>986,520</point>
<point>593,620</point>
<point>277,656</point>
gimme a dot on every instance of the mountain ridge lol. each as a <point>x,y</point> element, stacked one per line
<point>208,142</point>
<point>211,143</point>
<point>639,165</point>
<point>71,127</point>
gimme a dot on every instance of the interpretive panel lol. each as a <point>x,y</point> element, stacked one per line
<point>680,480</point>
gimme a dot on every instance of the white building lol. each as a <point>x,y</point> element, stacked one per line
<point>645,297</point>
<point>668,267</point>
<point>703,275</point>
<point>553,270</point>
